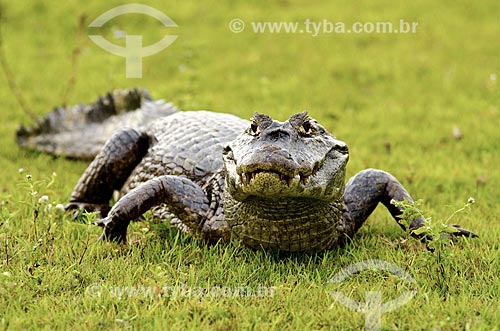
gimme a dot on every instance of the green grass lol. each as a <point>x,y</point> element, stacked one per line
<point>372,91</point>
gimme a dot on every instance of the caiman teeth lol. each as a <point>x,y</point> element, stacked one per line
<point>316,168</point>
<point>247,177</point>
<point>303,178</point>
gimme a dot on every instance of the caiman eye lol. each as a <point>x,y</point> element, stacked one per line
<point>253,130</point>
<point>307,129</point>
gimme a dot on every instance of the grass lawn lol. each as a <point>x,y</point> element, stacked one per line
<point>423,106</point>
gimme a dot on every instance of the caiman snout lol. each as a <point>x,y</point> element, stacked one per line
<point>269,158</point>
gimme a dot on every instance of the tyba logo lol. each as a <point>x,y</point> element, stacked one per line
<point>133,52</point>
<point>373,307</point>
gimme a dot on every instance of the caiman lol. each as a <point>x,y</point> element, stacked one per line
<point>271,185</point>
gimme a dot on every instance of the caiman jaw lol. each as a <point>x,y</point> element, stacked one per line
<point>303,177</point>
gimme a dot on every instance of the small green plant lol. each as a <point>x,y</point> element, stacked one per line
<point>438,235</point>
<point>39,205</point>
<point>90,219</point>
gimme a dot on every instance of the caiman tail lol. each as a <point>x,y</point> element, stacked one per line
<point>79,131</point>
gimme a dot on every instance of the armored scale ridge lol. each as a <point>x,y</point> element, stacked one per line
<point>272,185</point>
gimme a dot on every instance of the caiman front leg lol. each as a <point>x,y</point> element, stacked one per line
<point>109,171</point>
<point>369,187</point>
<point>183,197</point>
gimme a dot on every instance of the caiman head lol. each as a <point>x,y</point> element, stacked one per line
<point>297,158</point>
<point>284,183</point>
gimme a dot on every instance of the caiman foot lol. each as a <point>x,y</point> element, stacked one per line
<point>452,231</point>
<point>461,232</point>
<point>101,209</point>
<point>114,233</point>
<point>451,234</point>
